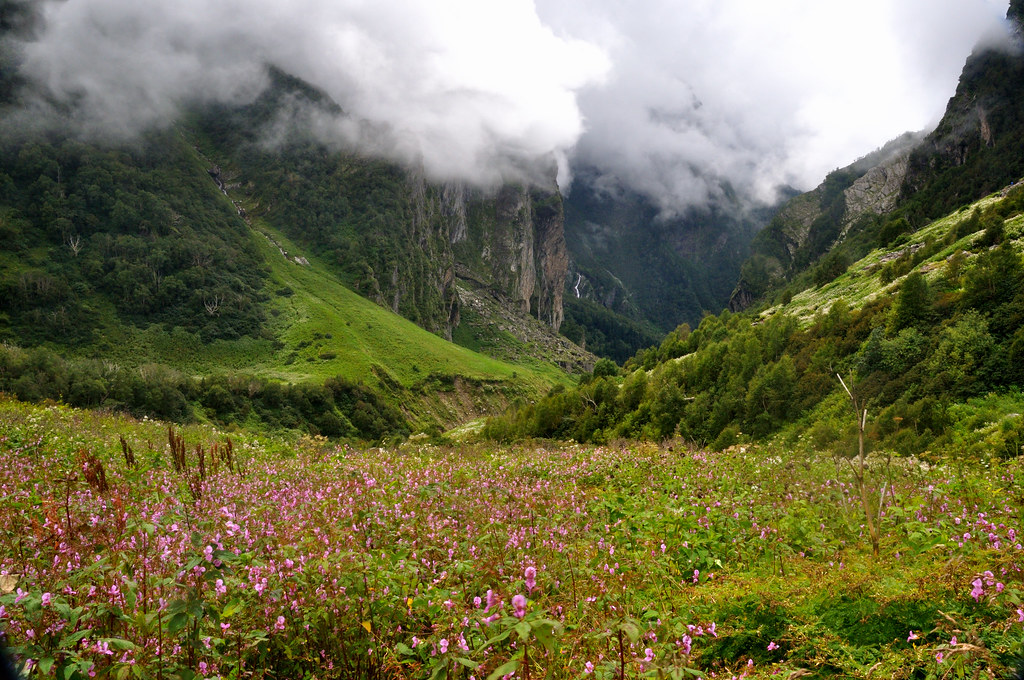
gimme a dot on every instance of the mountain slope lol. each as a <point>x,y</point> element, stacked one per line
<point>929,335</point>
<point>136,257</point>
<point>974,150</point>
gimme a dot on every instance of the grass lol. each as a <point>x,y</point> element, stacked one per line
<point>636,561</point>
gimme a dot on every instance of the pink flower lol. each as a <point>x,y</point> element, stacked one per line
<point>978,590</point>
<point>939,656</point>
<point>1020,616</point>
<point>649,654</point>
<point>443,645</point>
<point>280,623</point>
<point>588,667</point>
<point>531,578</point>
<point>46,599</point>
<point>492,600</point>
<point>912,636</point>
<point>519,606</point>
<point>772,646</point>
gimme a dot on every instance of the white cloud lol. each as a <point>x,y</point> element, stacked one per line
<point>669,97</point>
<point>763,93</point>
<point>470,89</point>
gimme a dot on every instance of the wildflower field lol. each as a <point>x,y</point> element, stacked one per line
<point>131,549</point>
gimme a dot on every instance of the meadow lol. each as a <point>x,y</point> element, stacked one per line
<point>135,549</point>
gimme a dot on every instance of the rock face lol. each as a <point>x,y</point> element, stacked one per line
<point>877,192</point>
<point>975,149</point>
<point>511,241</point>
<point>514,243</point>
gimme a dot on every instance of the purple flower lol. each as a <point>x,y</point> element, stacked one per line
<point>492,600</point>
<point>649,654</point>
<point>1020,616</point>
<point>46,599</point>
<point>772,646</point>
<point>519,606</point>
<point>443,645</point>
<point>912,636</point>
<point>531,578</point>
<point>978,590</point>
<point>279,625</point>
<point>588,667</point>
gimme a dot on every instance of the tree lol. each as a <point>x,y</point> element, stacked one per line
<point>913,306</point>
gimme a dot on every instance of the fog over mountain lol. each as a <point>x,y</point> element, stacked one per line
<point>671,98</point>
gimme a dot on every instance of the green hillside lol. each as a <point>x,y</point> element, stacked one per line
<point>928,335</point>
<point>134,259</point>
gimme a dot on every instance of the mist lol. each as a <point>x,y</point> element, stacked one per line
<point>680,100</point>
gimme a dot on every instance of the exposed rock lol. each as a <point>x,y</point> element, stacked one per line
<point>877,192</point>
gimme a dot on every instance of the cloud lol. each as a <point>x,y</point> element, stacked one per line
<point>755,95</point>
<point>471,90</point>
<point>677,99</point>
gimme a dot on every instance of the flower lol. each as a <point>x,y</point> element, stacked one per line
<point>939,656</point>
<point>772,646</point>
<point>912,636</point>
<point>1020,616</point>
<point>443,644</point>
<point>519,605</point>
<point>978,589</point>
<point>649,654</point>
<point>492,599</point>
<point>46,599</point>
<point>280,623</point>
<point>588,667</point>
<point>531,578</point>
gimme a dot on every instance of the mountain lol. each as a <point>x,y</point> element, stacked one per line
<point>974,150</point>
<point>902,273</point>
<point>643,265</point>
<point>233,249</point>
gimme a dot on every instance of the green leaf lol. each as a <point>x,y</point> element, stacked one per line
<point>71,640</point>
<point>440,672</point>
<point>45,665</point>
<point>177,622</point>
<point>497,638</point>
<point>523,628</point>
<point>544,631</point>
<point>119,644</point>
<point>403,648</point>
<point>468,663</point>
<point>505,669</point>
<point>631,631</point>
<point>231,608</point>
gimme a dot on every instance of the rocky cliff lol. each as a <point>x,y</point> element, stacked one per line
<point>815,222</point>
<point>975,149</point>
<point>514,243</point>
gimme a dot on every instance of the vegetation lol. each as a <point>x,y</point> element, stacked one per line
<point>947,332</point>
<point>138,551</point>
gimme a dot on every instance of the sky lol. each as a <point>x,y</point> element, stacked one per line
<point>670,98</point>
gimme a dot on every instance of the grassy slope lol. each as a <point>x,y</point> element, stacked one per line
<point>862,283</point>
<point>318,328</point>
